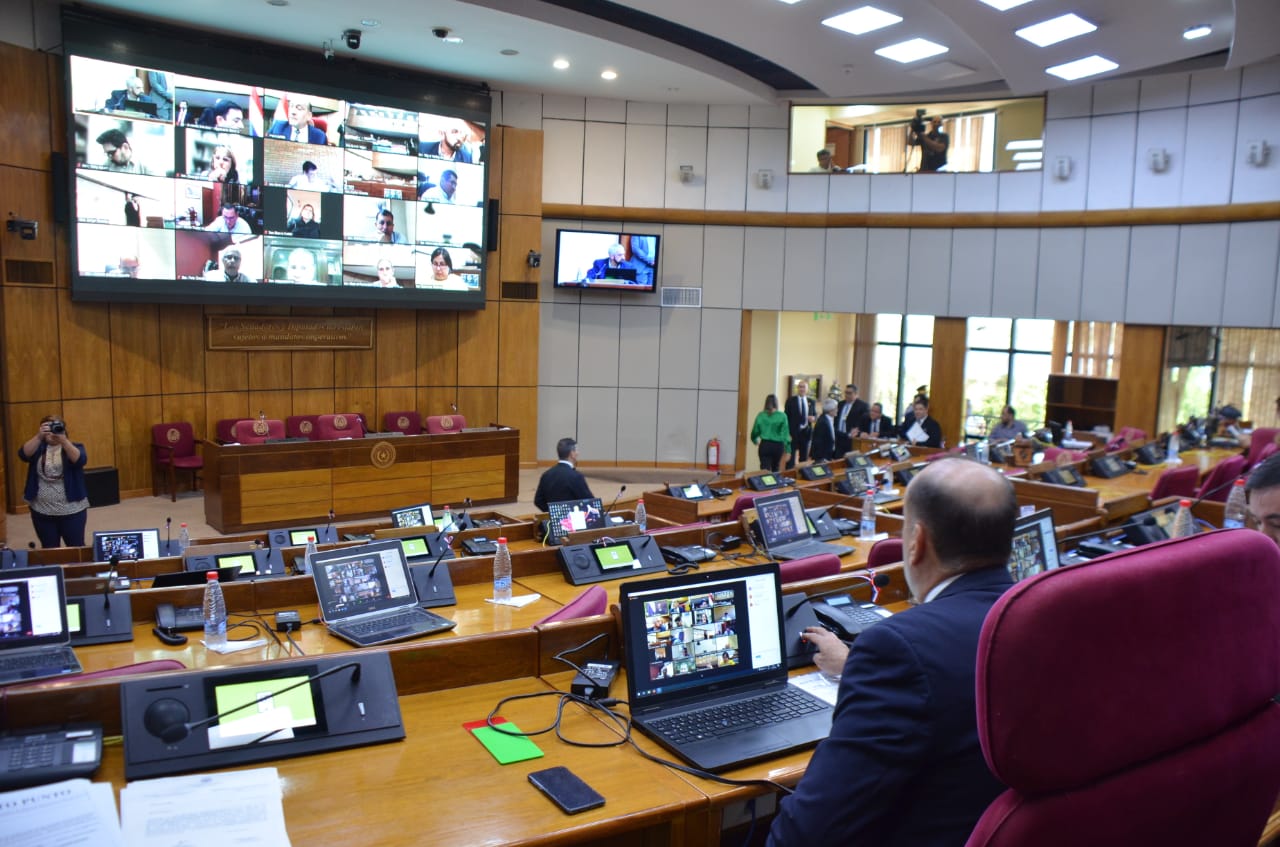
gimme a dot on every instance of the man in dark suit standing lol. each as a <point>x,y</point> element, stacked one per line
<point>902,765</point>
<point>562,481</point>
<point>825,436</point>
<point>800,418</point>
<point>921,430</point>
<point>875,425</point>
<point>848,416</point>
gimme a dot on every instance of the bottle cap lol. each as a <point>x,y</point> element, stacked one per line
<point>502,539</point>
<point>1240,481</point>
<point>1185,504</point>
<point>211,576</point>
<point>639,500</point>
<point>184,523</point>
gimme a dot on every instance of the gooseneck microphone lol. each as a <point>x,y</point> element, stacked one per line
<point>106,589</point>
<point>445,548</point>
<point>616,498</point>
<point>168,536</point>
<point>166,718</point>
<point>329,525</point>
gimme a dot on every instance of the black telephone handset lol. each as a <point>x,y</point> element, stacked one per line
<point>171,618</point>
<point>840,614</point>
<point>1109,467</point>
<point>1064,476</point>
<point>688,554</point>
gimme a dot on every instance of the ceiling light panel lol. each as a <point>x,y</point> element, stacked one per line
<point>1004,5</point>
<point>1195,32</point>
<point>862,20</point>
<point>1056,29</point>
<point>1080,68</point>
<point>911,51</point>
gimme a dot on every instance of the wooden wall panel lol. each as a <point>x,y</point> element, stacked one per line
<point>277,403</point>
<point>395,344</point>
<point>92,423</point>
<point>135,350</point>
<point>478,405</point>
<point>517,235</point>
<point>1141,363</point>
<point>226,371</point>
<point>133,419</point>
<point>24,120</point>
<point>28,195</point>
<point>946,404</point>
<point>363,401</point>
<point>30,362</point>
<point>521,172</point>
<point>518,339</point>
<point>270,371</point>
<point>58,118</point>
<point>22,420</point>
<point>224,404</point>
<point>313,369</point>
<point>181,349</point>
<point>84,342</point>
<point>436,400</point>
<point>393,400</point>
<point>313,401</point>
<point>518,407</point>
<point>478,347</point>
<point>437,348</point>
<point>353,368</point>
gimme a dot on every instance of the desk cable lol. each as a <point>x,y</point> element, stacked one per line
<point>254,619</point>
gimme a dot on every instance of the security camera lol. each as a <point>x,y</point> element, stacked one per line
<point>441,32</point>
<point>327,50</point>
<point>352,37</point>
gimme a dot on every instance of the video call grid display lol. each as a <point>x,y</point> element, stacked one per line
<point>185,184</point>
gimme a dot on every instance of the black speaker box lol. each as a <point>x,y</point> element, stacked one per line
<point>103,485</point>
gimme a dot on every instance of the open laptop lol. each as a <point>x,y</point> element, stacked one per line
<point>703,643</point>
<point>860,479</point>
<point>419,515</point>
<point>127,544</point>
<point>367,596</point>
<point>35,642</point>
<point>1035,547</point>
<point>566,516</point>
<point>784,528</point>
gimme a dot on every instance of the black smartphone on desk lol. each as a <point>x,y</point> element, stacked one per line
<point>566,790</point>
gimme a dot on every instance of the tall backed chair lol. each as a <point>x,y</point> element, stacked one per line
<point>173,448</point>
<point>410,423</point>
<point>1261,437</point>
<point>222,430</point>
<point>438,424</point>
<point>591,602</point>
<point>301,426</point>
<point>744,502</point>
<point>1063,456</point>
<point>330,427</point>
<point>809,567</point>
<point>886,551</point>
<point>1217,485</point>
<point>254,431</point>
<point>1154,723</point>
<point>1176,482</point>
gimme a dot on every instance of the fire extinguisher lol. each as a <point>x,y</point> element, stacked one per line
<point>713,454</point>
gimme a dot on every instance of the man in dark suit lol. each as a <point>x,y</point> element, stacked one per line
<point>875,425</point>
<point>902,765</point>
<point>848,416</point>
<point>825,436</point>
<point>921,430</point>
<point>562,481</point>
<point>298,127</point>
<point>800,418</point>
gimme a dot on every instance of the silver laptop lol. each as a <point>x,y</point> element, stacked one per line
<point>367,596</point>
<point>707,667</point>
<point>784,528</point>
<point>35,642</point>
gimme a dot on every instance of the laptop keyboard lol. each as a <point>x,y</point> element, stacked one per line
<point>801,549</point>
<point>64,657</point>
<point>728,718</point>
<point>387,624</point>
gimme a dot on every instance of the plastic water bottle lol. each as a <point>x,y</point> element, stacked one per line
<point>308,555</point>
<point>215,612</point>
<point>502,572</point>
<point>1172,451</point>
<point>984,452</point>
<point>1234,513</point>
<point>446,520</point>
<point>1183,524</point>
<point>1069,433</point>
<point>642,517</point>
<point>867,526</point>
<point>184,539</point>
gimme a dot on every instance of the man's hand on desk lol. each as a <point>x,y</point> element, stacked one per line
<point>832,652</point>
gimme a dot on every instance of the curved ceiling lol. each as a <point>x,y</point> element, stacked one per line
<point>743,51</point>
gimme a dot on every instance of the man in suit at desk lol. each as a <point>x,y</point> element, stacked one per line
<point>922,430</point>
<point>800,419</point>
<point>873,423</point>
<point>562,481</point>
<point>848,416</point>
<point>298,127</point>
<point>902,765</point>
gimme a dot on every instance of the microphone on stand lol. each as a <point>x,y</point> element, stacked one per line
<point>614,503</point>
<point>168,536</point>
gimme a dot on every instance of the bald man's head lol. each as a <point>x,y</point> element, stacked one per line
<point>968,510</point>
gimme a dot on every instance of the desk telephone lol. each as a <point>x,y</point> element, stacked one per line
<point>1110,467</point>
<point>688,554</point>
<point>844,617</point>
<point>1064,476</point>
<point>180,617</point>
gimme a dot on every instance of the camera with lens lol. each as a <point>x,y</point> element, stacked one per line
<point>917,123</point>
<point>57,428</point>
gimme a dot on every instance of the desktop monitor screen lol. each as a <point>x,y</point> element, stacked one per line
<point>572,516</point>
<point>127,544</point>
<point>299,537</point>
<point>1035,547</point>
<point>244,561</point>
<point>415,547</point>
<point>612,260</point>
<point>419,515</point>
<point>248,716</point>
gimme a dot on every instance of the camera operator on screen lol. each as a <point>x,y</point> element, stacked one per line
<point>55,486</point>
<point>933,143</point>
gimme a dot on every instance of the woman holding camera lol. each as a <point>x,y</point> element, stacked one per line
<point>55,484</point>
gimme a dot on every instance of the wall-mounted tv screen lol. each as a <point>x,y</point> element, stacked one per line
<point>200,176</point>
<point>626,261</point>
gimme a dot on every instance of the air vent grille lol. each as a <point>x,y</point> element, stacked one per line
<point>681,298</point>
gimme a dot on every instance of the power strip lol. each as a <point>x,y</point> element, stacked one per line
<point>594,684</point>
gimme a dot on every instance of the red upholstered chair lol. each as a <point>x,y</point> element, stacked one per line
<point>438,424</point>
<point>1055,454</point>
<point>222,430</point>
<point>1261,437</point>
<point>885,552</point>
<point>254,431</point>
<point>410,423</point>
<point>1154,722</point>
<point>331,427</point>
<point>301,426</point>
<point>591,602</point>
<point>1267,451</point>
<point>173,447</point>
<point>810,567</point>
<point>1217,485</point>
<point>744,502</point>
<point>1176,482</point>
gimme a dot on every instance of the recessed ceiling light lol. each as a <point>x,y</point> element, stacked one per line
<point>1195,32</point>
<point>1088,66</point>
<point>911,51</point>
<point>1025,144</point>
<point>606,74</point>
<point>370,23</point>
<point>277,2</point>
<point>862,20</point>
<point>1028,156</point>
<point>1055,29</point>
<point>560,64</point>
<point>509,51</point>
<point>1004,5</point>
<point>1028,166</point>
<point>452,39</point>
<point>791,2</point>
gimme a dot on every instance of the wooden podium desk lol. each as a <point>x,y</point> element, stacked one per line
<point>253,486</point>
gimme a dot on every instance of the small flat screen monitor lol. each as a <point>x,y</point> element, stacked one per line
<point>415,547</point>
<point>244,561</point>
<point>624,261</point>
<point>261,707</point>
<point>616,557</point>
<point>860,478</point>
<point>1035,547</point>
<point>419,515</point>
<point>127,544</point>
<point>572,516</point>
<point>303,536</point>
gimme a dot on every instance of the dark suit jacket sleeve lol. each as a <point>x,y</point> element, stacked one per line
<point>934,430</point>
<point>880,738</point>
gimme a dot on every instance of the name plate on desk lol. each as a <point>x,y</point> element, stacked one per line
<point>174,723</point>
